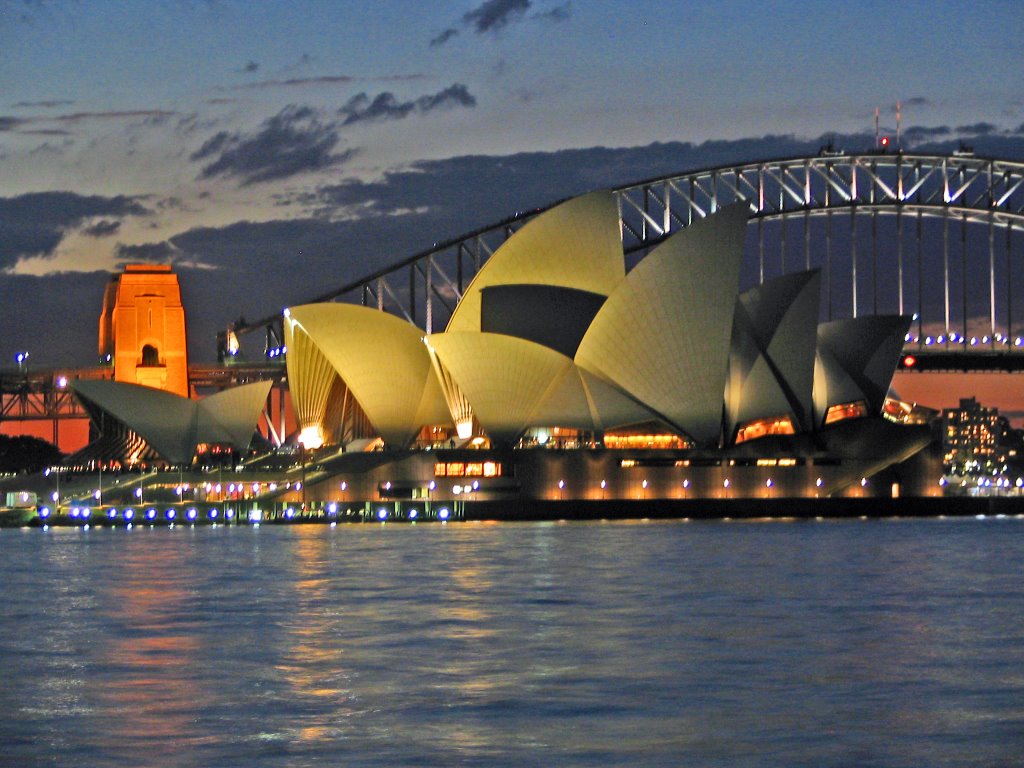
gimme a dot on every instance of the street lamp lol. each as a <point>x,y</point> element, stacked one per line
<point>56,495</point>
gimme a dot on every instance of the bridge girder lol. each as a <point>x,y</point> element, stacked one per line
<point>914,190</point>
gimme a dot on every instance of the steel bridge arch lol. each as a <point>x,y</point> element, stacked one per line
<point>971,207</point>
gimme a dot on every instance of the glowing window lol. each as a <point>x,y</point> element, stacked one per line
<point>845,411</point>
<point>776,425</point>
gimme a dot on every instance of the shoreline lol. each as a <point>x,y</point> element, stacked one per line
<point>539,510</point>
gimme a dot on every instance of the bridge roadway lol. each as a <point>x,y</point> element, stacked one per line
<point>45,394</point>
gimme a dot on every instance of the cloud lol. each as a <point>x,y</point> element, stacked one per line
<point>291,142</point>
<point>49,104</point>
<point>11,123</point>
<point>384,106</point>
<point>102,228</point>
<point>46,148</point>
<point>444,37</point>
<point>298,81</point>
<point>148,114</point>
<point>252,66</point>
<point>559,13</point>
<point>920,132</point>
<point>34,224</point>
<point>917,101</point>
<point>156,253</point>
<point>977,128</point>
<point>45,132</point>
<point>257,268</point>
<point>494,15</point>
<point>8,123</point>
<point>294,82</point>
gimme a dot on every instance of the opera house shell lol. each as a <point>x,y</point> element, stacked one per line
<point>139,423</point>
<point>555,336</point>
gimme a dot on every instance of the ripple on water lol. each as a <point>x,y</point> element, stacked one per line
<point>580,645</point>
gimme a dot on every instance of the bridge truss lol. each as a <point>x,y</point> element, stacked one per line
<point>930,235</point>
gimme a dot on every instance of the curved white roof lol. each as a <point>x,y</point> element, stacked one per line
<point>663,334</point>
<point>513,384</point>
<point>771,358</point>
<point>173,425</point>
<point>381,358</point>
<point>233,412</point>
<point>576,244</point>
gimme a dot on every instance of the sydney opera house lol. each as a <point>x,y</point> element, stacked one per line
<point>563,375</point>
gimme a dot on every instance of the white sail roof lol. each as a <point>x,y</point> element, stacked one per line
<point>379,357</point>
<point>663,333</point>
<point>576,244</point>
<point>513,384</point>
<point>173,425</point>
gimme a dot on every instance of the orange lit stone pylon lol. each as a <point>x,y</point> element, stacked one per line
<point>142,328</point>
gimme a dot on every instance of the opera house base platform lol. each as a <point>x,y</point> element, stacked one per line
<point>858,468</point>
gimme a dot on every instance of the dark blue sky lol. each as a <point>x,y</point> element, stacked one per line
<point>273,149</point>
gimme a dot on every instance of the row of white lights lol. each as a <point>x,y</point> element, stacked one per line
<point>955,338</point>
<point>192,514</point>
<point>986,482</point>
<point>725,484</point>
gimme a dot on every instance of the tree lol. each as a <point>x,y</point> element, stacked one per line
<point>22,453</point>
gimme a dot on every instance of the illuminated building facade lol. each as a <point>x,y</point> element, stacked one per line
<point>974,438</point>
<point>142,329</point>
<point>667,368</point>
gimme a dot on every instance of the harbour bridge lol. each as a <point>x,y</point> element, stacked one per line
<point>934,236</point>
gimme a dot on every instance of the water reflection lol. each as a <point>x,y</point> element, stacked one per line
<point>585,644</point>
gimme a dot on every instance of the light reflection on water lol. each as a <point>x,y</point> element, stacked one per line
<point>854,643</point>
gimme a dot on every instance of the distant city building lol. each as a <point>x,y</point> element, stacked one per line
<point>142,328</point>
<point>976,440</point>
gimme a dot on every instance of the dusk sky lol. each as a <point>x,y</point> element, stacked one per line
<point>272,150</point>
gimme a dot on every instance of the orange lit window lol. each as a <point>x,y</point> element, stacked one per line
<point>440,469</point>
<point>779,425</point>
<point>491,469</point>
<point>852,410</point>
<point>644,441</point>
<point>456,469</point>
<point>474,469</point>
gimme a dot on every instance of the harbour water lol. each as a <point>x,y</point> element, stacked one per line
<point>853,643</point>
